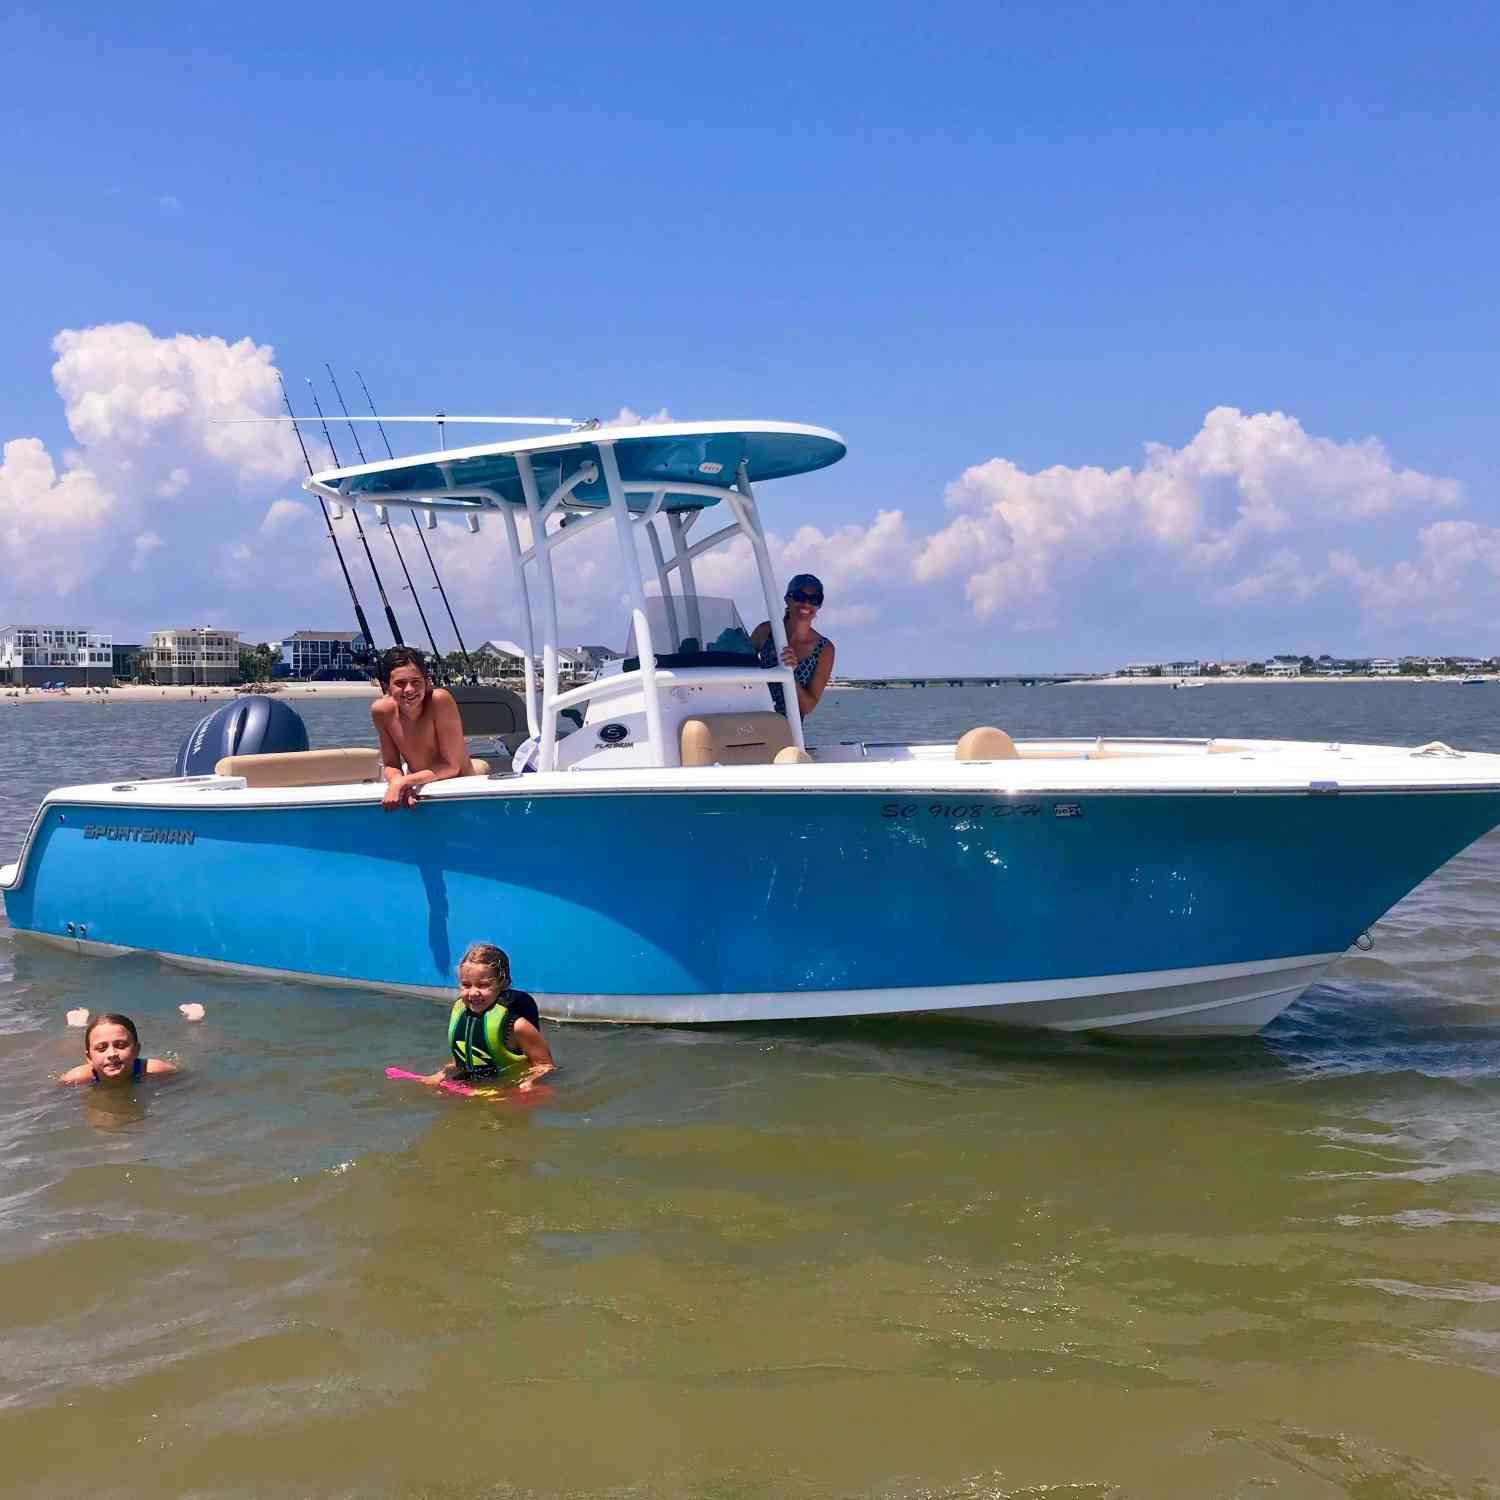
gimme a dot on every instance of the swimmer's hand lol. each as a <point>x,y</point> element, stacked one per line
<point>192,1011</point>
<point>432,1080</point>
<point>79,1017</point>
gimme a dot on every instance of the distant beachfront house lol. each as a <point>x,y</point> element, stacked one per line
<point>127,660</point>
<point>1143,669</point>
<point>327,654</point>
<point>1284,666</point>
<point>1237,668</point>
<point>34,655</point>
<point>502,659</point>
<point>198,656</point>
<point>1384,666</point>
<point>588,659</point>
<point>1182,669</point>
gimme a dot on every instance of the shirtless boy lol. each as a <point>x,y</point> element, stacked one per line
<point>421,735</point>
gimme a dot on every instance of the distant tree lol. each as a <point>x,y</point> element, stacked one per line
<point>1307,663</point>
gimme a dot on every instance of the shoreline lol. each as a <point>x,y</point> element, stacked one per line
<point>1313,681</point>
<point>300,692</point>
<point>137,693</point>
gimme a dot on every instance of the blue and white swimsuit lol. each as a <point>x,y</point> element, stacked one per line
<point>803,671</point>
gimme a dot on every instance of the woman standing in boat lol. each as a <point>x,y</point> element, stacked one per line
<point>808,654</point>
<point>421,734</point>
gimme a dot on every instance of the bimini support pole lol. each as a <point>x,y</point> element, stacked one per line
<point>682,560</point>
<point>518,571</point>
<point>541,548</point>
<point>668,755</point>
<point>664,584</point>
<point>748,515</point>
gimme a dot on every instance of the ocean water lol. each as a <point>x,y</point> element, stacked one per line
<point>895,1258</point>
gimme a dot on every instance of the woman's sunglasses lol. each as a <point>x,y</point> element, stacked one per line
<point>801,596</point>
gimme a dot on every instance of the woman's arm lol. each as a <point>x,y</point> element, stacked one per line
<point>529,1040</point>
<point>807,697</point>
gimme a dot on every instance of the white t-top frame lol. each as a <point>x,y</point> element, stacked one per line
<point>556,518</point>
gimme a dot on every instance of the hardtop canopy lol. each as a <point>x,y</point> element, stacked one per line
<point>649,457</point>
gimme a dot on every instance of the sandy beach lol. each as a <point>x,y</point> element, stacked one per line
<point>292,692</point>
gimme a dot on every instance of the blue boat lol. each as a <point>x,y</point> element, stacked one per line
<point>685,856</point>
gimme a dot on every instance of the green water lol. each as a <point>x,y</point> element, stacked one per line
<point>887,1258</point>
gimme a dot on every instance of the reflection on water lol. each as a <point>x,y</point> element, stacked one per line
<point>896,1257</point>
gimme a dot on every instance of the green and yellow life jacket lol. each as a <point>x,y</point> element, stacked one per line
<point>477,1041</point>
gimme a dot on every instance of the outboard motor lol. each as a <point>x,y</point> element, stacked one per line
<point>252,725</point>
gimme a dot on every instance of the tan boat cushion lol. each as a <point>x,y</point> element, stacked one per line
<point>792,755</point>
<point>986,743</point>
<point>734,739</point>
<point>303,767</point>
<point>312,768</point>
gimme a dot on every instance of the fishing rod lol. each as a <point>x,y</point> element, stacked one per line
<point>437,580</point>
<point>390,614</point>
<point>359,613</point>
<point>386,520</point>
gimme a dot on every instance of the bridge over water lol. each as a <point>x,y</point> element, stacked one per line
<point>997,679</point>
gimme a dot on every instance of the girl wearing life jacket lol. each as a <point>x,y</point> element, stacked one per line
<point>493,1029</point>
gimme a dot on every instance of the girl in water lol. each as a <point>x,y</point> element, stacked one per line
<point>421,734</point>
<point>492,1028</point>
<point>113,1049</point>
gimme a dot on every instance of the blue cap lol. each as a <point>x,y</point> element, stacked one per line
<point>809,583</point>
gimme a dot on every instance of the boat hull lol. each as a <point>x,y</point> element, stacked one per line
<point>1173,913</point>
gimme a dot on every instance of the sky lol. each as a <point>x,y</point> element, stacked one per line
<point>1153,331</point>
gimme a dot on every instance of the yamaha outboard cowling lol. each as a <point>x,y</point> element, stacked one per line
<point>252,725</point>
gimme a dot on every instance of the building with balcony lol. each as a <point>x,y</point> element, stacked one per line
<point>200,656</point>
<point>324,654</point>
<point>35,655</point>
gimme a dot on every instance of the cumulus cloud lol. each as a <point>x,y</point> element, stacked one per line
<point>145,544</point>
<point>1456,562</point>
<point>1240,480</point>
<point>51,521</point>
<point>1283,576</point>
<point>281,513</point>
<point>626,417</point>
<point>142,411</point>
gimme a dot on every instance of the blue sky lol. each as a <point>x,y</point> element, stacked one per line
<point>1042,237</point>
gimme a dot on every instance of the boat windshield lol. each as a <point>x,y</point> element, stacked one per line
<point>701,626</point>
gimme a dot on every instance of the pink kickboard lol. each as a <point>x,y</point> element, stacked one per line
<point>448,1086</point>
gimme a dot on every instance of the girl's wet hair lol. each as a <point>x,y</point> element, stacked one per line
<point>112,1018</point>
<point>401,656</point>
<point>488,956</point>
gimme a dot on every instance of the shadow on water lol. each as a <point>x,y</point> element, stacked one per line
<point>1383,1029</point>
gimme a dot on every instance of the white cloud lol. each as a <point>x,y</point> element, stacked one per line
<point>145,544</point>
<point>1283,577</point>
<point>141,409</point>
<point>626,417</point>
<point>1239,480</point>
<point>51,525</point>
<point>284,512</point>
<point>1457,564</point>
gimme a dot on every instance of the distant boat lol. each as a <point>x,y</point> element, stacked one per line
<point>1471,679</point>
<point>1177,685</point>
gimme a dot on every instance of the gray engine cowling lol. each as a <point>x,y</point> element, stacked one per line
<point>252,725</point>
